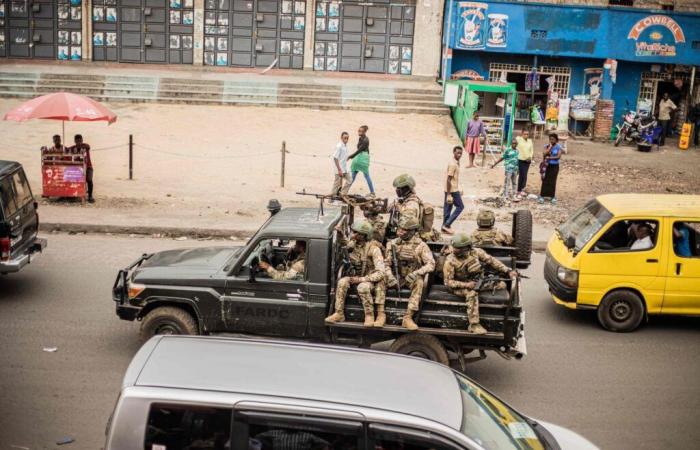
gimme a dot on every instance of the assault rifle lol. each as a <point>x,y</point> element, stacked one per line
<point>397,273</point>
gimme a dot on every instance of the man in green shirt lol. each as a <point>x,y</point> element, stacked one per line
<point>525,152</point>
<point>510,164</point>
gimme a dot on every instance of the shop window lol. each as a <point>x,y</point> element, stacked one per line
<point>188,427</point>
<point>538,34</point>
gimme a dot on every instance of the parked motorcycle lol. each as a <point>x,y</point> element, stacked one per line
<point>624,129</point>
<point>634,128</point>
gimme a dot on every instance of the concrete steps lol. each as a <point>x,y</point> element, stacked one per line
<point>120,88</point>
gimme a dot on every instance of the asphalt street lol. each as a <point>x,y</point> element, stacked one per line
<point>622,391</point>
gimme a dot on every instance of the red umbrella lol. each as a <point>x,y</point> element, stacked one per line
<point>62,106</point>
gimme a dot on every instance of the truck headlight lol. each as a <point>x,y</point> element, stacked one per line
<point>567,276</point>
<point>135,290</point>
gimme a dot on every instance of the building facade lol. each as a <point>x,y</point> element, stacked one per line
<point>546,48</point>
<point>382,36</point>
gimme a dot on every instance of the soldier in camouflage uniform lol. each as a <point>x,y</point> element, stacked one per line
<point>368,274</point>
<point>414,259</point>
<point>373,216</point>
<point>486,234</point>
<point>463,267</point>
<point>409,204</point>
<point>294,268</point>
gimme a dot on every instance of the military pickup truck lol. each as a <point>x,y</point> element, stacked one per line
<point>222,290</point>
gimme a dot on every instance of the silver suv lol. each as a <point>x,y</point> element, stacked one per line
<point>183,392</point>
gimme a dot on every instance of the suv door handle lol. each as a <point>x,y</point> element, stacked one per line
<point>652,260</point>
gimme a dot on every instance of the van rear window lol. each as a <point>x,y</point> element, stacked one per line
<point>182,427</point>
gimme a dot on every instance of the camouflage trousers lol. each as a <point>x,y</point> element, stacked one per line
<point>416,289</point>
<point>472,298</point>
<point>364,291</point>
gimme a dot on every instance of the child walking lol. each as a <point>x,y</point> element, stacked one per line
<point>510,164</point>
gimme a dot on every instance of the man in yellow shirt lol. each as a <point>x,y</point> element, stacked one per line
<point>525,151</point>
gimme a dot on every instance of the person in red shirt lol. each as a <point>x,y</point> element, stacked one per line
<point>82,146</point>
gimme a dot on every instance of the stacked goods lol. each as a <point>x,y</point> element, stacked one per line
<point>604,111</point>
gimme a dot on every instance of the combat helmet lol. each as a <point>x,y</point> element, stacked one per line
<point>486,218</point>
<point>404,180</point>
<point>461,240</point>
<point>364,228</point>
<point>409,223</point>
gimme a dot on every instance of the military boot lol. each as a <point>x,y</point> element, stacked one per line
<point>369,316</point>
<point>381,317</point>
<point>408,322</point>
<point>476,328</point>
<point>336,317</point>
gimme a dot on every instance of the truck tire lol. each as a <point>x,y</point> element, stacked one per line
<point>167,320</point>
<point>522,235</point>
<point>421,346</point>
<point>621,311</point>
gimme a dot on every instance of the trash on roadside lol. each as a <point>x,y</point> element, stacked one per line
<point>19,447</point>
<point>181,238</point>
<point>65,440</point>
<point>50,349</point>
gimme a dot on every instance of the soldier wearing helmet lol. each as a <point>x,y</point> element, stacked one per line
<point>409,204</point>
<point>414,260</point>
<point>367,273</point>
<point>463,267</point>
<point>294,267</point>
<point>372,213</point>
<point>486,234</point>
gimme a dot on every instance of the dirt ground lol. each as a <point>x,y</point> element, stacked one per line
<point>217,166</point>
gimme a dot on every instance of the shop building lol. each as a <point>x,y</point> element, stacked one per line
<point>545,48</point>
<point>399,37</point>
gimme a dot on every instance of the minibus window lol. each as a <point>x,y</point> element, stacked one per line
<point>584,224</point>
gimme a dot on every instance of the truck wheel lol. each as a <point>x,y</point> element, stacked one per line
<point>522,235</point>
<point>621,311</point>
<point>422,346</point>
<point>167,320</point>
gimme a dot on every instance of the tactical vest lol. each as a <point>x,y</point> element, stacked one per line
<point>485,237</point>
<point>468,267</point>
<point>361,263</point>
<point>407,255</point>
<point>426,212</point>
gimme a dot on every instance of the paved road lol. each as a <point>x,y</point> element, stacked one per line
<point>622,391</point>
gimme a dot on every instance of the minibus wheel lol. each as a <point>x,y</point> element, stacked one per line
<point>621,311</point>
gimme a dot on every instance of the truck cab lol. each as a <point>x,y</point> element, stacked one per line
<point>222,290</point>
<point>19,220</point>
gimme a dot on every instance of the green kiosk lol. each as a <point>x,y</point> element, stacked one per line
<point>495,102</point>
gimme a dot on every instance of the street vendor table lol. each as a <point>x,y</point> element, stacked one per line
<point>63,174</point>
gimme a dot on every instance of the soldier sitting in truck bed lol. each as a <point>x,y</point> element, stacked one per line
<point>486,234</point>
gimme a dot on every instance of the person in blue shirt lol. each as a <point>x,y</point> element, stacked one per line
<point>681,240</point>
<point>552,156</point>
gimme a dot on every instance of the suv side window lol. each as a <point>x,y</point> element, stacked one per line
<point>24,193</point>
<point>7,198</point>
<point>284,256</point>
<point>390,437</point>
<point>628,236</point>
<point>172,427</point>
<point>270,431</point>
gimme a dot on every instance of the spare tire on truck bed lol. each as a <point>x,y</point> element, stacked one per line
<point>522,237</point>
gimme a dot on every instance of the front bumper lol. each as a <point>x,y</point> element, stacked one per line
<point>16,264</point>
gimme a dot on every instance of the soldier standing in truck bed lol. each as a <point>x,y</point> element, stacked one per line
<point>367,273</point>
<point>414,260</point>
<point>463,267</point>
<point>409,204</point>
<point>487,234</point>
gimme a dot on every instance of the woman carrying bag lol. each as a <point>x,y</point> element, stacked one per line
<point>360,159</point>
<point>549,169</point>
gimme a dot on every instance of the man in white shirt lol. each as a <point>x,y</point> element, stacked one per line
<point>666,107</point>
<point>340,165</point>
<point>643,233</point>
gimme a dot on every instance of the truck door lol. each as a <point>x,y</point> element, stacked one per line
<point>682,294</point>
<point>264,305</point>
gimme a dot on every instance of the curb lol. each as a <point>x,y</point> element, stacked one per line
<point>537,246</point>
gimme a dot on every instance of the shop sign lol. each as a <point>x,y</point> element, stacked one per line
<point>652,40</point>
<point>469,74</point>
<point>471,25</point>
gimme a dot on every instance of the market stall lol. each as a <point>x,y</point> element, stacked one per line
<point>495,103</point>
<point>63,173</point>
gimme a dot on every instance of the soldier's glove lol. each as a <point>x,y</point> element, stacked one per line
<point>411,277</point>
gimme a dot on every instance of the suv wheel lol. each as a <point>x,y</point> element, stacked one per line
<point>167,320</point>
<point>621,311</point>
<point>421,346</point>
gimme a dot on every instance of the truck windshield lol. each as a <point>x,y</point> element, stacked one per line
<point>491,423</point>
<point>584,224</point>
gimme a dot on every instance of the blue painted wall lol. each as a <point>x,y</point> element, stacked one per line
<point>590,32</point>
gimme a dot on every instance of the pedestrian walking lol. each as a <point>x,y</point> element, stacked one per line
<point>510,158</point>
<point>666,107</point>
<point>475,129</point>
<point>360,159</point>
<point>82,147</point>
<point>526,150</point>
<point>550,163</point>
<point>342,182</point>
<point>453,197</point>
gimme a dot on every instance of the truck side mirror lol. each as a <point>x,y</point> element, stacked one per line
<point>570,242</point>
<point>252,269</point>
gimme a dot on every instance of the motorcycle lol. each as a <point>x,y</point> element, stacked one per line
<point>625,129</point>
<point>634,128</point>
